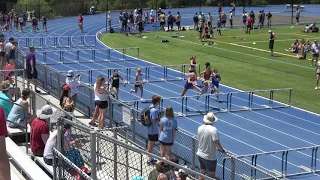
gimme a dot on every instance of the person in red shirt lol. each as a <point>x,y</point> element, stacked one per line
<point>40,130</point>
<point>80,23</point>
<point>249,25</point>
<point>4,161</point>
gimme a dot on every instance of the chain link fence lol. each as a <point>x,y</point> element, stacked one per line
<point>64,169</point>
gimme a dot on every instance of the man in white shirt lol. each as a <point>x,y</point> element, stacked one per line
<point>8,47</point>
<point>208,142</point>
<point>73,82</point>
<point>315,52</point>
<point>48,150</point>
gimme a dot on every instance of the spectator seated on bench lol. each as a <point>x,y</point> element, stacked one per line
<point>19,115</point>
<point>48,150</point>
<point>312,28</point>
<point>40,130</point>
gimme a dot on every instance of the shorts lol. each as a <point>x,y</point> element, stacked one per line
<point>153,137</point>
<point>192,71</point>
<point>209,23</point>
<point>248,26</point>
<point>115,86</point>
<point>271,43</point>
<point>318,71</point>
<point>96,102</point>
<point>21,24</point>
<point>223,22</point>
<point>2,54</point>
<point>215,85</point>
<point>178,23</point>
<point>162,23</point>
<point>244,21</point>
<point>200,29</point>
<point>315,55</point>
<point>208,165</point>
<point>188,86</point>
<point>32,76</point>
<point>165,144</point>
<point>103,104</point>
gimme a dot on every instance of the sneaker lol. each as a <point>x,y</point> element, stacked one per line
<point>317,88</point>
<point>37,91</point>
<point>141,99</point>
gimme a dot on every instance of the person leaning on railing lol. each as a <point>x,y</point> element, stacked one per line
<point>19,115</point>
<point>208,142</point>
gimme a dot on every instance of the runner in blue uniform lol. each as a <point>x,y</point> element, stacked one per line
<point>216,78</point>
<point>190,84</point>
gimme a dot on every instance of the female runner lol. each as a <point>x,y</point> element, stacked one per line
<point>138,83</point>
<point>115,83</point>
<point>190,84</point>
<point>216,78</point>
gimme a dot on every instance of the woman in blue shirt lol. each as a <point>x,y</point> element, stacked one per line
<point>168,126</point>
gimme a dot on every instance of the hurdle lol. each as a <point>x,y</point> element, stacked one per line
<point>86,56</point>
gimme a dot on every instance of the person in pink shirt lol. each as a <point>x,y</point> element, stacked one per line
<point>9,70</point>
<point>80,23</point>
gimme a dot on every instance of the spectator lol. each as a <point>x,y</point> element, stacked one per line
<point>32,72</point>
<point>5,98</point>
<point>182,175</point>
<point>195,22</point>
<point>163,177</point>
<point>315,52</point>
<point>160,168</point>
<point>19,115</point>
<point>2,51</point>
<point>80,23</point>
<point>48,150</point>
<point>66,101</point>
<point>34,23</point>
<point>168,127</point>
<point>4,160</point>
<point>9,70</point>
<point>208,142</point>
<point>13,50</point>
<point>153,129</point>
<point>69,147</point>
<point>73,82</point>
<point>96,102</point>
<point>102,91</point>
<point>8,46</point>
<point>40,130</point>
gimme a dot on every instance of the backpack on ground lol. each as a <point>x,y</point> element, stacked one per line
<point>145,117</point>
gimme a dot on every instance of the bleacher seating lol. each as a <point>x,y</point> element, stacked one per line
<point>24,163</point>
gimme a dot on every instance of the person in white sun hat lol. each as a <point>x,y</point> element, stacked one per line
<point>208,143</point>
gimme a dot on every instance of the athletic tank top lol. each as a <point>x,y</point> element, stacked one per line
<point>115,80</point>
<point>99,96</point>
<point>215,78</point>
<point>193,68</point>
<point>139,79</point>
<point>207,75</point>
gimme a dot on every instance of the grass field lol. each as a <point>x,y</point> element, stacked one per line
<point>241,64</point>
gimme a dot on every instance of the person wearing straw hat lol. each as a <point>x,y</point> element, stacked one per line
<point>5,98</point>
<point>73,81</point>
<point>208,143</point>
<point>32,73</point>
<point>39,133</point>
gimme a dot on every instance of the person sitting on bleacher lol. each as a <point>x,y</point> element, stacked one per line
<point>4,160</point>
<point>69,146</point>
<point>40,130</point>
<point>19,115</point>
<point>48,150</point>
<point>5,98</point>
